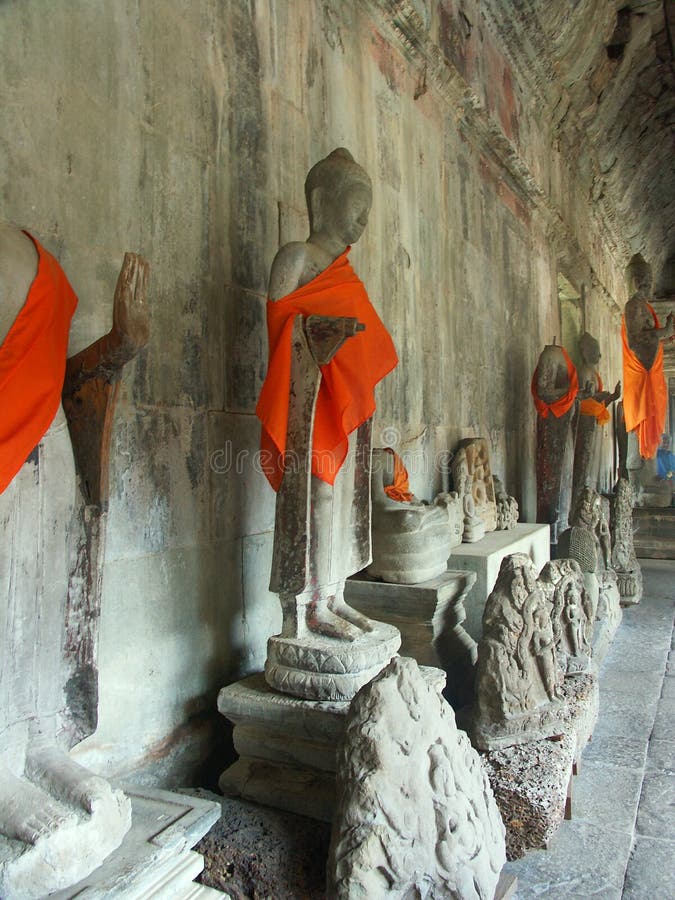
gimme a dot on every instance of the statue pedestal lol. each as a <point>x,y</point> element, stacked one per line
<point>430,617</point>
<point>155,859</point>
<point>533,783</point>
<point>485,557</point>
<point>287,746</point>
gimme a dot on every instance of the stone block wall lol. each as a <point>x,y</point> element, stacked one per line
<point>184,131</point>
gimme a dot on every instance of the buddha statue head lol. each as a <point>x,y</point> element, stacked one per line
<point>589,349</point>
<point>339,196</point>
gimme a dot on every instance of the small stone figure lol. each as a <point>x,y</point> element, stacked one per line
<point>507,507</point>
<point>328,350</point>
<point>482,488</point>
<point>593,415</point>
<point>554,389</point>
<point>517,676</point>
<point>58,821</point>
<point>624,560</point>
<point>572,614</point>
<point>474,526</point>
<point>412,539</point>
<point>588,542</point>
<point>416,816</point>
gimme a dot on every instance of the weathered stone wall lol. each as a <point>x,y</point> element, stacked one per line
<point>184,131</point>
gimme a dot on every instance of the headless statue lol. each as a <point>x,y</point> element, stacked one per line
<point>41,787</point>
<point>645,392</point>
<point>593,415</point>
<point>554,389</point>
<point>317,420</point>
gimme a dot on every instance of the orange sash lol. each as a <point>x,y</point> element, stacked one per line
<point>399,490</point>
<point>645,396</point>
<point>591,407</point>
<point>346,396</point>
<point>33,364</point>
<point>560,406</point>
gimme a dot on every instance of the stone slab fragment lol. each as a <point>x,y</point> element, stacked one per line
<point>485,557</point>
<point>155,859</point>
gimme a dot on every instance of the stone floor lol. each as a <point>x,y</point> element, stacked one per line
<point>621,839</point>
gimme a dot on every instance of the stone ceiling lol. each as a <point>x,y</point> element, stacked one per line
<point>603,71</point>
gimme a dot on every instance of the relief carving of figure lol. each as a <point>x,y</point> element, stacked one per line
<point>507,507</point>
<point>474,526</point>
<point>624,560</point>
<point>517,676</point>
<point>572,614</point>
<point>328,350</point>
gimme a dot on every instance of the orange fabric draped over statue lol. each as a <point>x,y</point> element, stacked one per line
<point>591,407</point>
<point>346,396</point>
<point>645,396</point>
<point>33,364</point>
<point>399,489</point>
<point>560,406</point>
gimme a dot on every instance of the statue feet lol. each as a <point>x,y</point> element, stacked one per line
<point>347,612</point>
<point>26,812</point>
<point>54,770</point>
<point>322,620</point>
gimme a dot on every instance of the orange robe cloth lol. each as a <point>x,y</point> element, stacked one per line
<point>33,364</point>
<point>645,396</point>
<point>560,406</point>
<point>591,407</point>
<point>399,490</point>
<point>346,396</point>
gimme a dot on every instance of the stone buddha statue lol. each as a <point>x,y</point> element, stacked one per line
<point>328,350</point>
<point>593,415</point>
<point>58,821</point>
<point>554,389</point>
<point>645,397</point>
<point>412,539</point>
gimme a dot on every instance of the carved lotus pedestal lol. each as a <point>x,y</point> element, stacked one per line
<point>323,668</point>
<point>287,746</point>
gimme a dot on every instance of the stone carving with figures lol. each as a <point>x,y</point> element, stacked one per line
<point>588,542</point>
<point>572,614</point>
<point>412,539</point>
<point>624,560</point>
<point>416,816</point>
<point>58,821</point>
<point>507,507</point>
<point>328,350</point>
<point>474,526</point>
<point>554,390</point>
<point>478,462</point>
<point>517,676</point>
<point>593,415</point>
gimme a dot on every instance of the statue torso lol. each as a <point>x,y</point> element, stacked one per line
<point>640,331</point>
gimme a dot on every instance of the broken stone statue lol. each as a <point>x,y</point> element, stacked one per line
<point>572,614</point>
<point>328,350</point>
<point>482,488</point>
<point>507,507</point>
<point>58,821</point>
<point>517,677</point>
<point>416,816</point>
<point>474,526</point>
<point>593,415</point>
<point>645,396</point>
<point>412,539</point>
<point>588,542</point>
<point>554,390</point>
<point>624,560</point>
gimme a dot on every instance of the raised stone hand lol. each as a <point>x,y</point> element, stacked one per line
<point>131,323</point>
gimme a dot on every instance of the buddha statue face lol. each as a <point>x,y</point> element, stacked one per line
<point>339,196</point>
<point>590,349</point>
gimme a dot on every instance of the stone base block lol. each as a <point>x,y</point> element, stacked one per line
<point>531,785</point>
<point>538,724</point>
<point>155,859</point>
<point>582,699</point>
<point>430,617</point>
<point>485,557</point>
<point>324,668</point>
<point>630,587</point>
<point>287,746</point>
